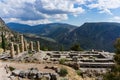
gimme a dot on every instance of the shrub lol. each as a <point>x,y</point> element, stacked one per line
<point>62,61</point>
<point>79,72</point>
<point>11,68</point>
<point>63,72</point>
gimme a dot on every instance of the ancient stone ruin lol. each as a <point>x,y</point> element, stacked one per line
<point>38,46</point>
<point>12,53</point>
<point>23,46</point>
<point>17,49</point>
<point>22,43</point>
<point>34,73</point>
<point>31,46</point>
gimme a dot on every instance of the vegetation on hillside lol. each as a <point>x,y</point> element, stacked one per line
<point>90,35</point>
<point>63,72</point>
<point>114,74</point>
<point>3,43</point>
<point>76,47</point>
<point>62,60</point>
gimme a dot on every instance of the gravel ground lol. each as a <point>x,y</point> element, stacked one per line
<point>3,74</point>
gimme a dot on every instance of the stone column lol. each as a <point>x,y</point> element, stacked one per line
<point>31,45</point>
<point>38,46</point>
<point>25,45</point>
<point>22,43</point>
<point>12,53</point>
<point>17,49</point>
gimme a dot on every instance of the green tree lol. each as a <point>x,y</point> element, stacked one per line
<point>117,46</point>
<point>63,72</point>
<point>114,74</point>
<point>44,48</point>
<point>76,47</point>
<point>3,44</point>
<point>61,48</point>
<point>117,51</point>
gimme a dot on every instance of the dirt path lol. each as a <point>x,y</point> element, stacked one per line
<point>3,74</point>
<point>72,75</point>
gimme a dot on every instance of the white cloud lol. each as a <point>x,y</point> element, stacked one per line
<point>42,11</point>
<point>30,22</point>
<point>60,17</point>
<point>58,6</point>
<point>105,6</point>
<point>39,10</point>
<point>115,19</point>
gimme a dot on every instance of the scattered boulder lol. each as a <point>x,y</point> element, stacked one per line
<point>34,73</point>
<point>53,76</point>
<point>22,74</point>
<point>16,72</point>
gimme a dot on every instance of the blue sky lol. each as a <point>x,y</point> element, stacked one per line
<point>74,12</point>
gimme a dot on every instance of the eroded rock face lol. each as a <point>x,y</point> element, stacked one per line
<point>5,34</point>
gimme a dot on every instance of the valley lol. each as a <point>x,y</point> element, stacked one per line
<point>96,36</point>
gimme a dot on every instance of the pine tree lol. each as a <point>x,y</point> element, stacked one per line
<point>61,48</point>
<point>3,44</point>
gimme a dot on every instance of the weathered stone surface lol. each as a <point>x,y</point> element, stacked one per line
<point>5,56</point>
<point>47,76</point>
<point>31,45</point>
<point>22,43</point>
<point>12,53</point>
<point>34,73</point>
<point>22,74</point>
<point>16,72</point>
<point>53,76</point>
<point>17,49</point>
<point>26,45</point>
<point>38,46</point>
<point>39,75</point>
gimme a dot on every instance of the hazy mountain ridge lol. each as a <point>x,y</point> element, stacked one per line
<point>42,29</point>
<point>100,36</point>
<point>47,34</point>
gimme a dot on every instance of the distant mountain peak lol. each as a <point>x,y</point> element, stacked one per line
<point>95,35</point>
<point>101,23</point>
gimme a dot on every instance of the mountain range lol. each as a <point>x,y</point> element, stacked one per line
<point>99,36</point>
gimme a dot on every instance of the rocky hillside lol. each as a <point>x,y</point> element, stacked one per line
<point>4,29</point>
<point>7,36</point>
<point>3,26</point>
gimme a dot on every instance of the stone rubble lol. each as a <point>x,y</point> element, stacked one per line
<point>34,73</point>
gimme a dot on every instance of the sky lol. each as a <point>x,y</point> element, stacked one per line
<point>75,12</point>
